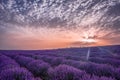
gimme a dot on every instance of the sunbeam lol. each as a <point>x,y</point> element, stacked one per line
<point>109,52</point>
<point>88,54</point>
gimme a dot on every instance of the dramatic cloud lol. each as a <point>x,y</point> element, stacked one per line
<point>58,23</point>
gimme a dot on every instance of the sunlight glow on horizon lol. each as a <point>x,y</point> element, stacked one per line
<point>51,38</point>
<point>89,40</point>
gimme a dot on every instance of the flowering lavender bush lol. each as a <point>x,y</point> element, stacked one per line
<point>22,60</point>
<point>37,78</point>
<point>16,74</point>
<point>93,68</point>
<point>64,72</point>
<point>6,63</point>
<point>109,61</point>
<point>38,68</point>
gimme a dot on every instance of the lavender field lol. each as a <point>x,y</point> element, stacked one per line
<point>102,63</point>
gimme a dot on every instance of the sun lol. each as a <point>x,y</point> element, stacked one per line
<point>89,40</point>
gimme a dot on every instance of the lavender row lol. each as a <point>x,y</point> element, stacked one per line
<point>113,62</point>
<point>89,67</point>
<point>10,70</point>
<point>37,67</point>
<point>46,72</point>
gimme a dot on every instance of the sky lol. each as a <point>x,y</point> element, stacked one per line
<point>51,24</point>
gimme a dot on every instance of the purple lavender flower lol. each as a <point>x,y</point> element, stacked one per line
<point>39,68</point>
<point>65,72</point>
<point>16,74</point>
